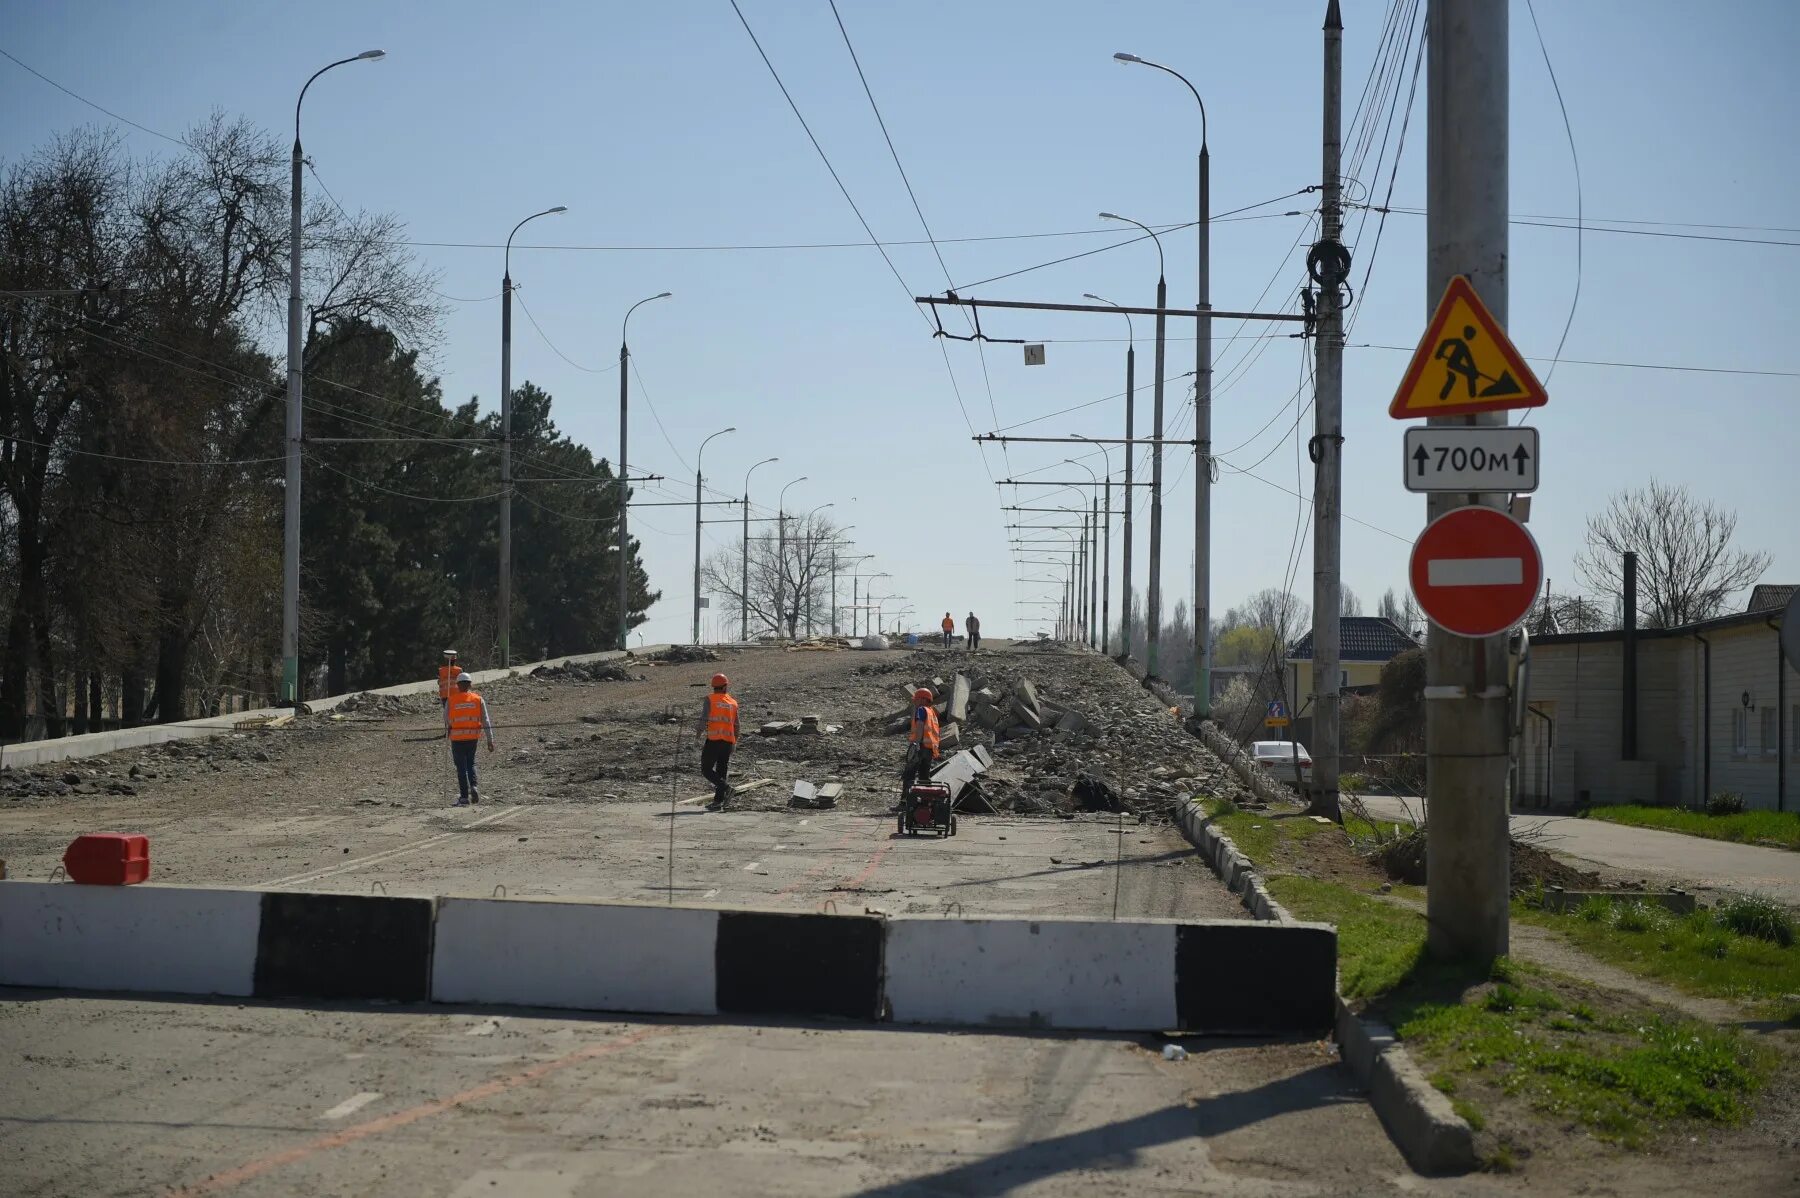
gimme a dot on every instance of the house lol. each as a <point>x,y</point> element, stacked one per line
<point>1710,707</point>
<point>1365,644</point>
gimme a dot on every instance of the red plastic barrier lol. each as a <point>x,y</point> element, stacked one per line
<point>108,859</point>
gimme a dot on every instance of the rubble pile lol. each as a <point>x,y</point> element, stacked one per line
<point>370,703</point>
<point>118,775</point>
<point>681,654</point>
<point>1067,732</point>
<point>819,644</point>
<point>586,671</point>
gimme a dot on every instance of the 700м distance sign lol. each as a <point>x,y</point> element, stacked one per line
<point>1471,458</point>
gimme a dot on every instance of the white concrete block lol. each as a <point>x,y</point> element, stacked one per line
<point>581,955</point>
<point>1032,973</point>
<point>155,939</point>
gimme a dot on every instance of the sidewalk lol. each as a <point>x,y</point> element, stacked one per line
<point>1646,853</point>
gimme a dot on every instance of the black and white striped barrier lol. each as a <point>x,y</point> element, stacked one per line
<point>1217,976</point>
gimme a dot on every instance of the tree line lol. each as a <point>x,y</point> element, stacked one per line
<point>142,440</point>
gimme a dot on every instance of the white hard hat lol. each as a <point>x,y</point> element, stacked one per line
<point>464,680</point>
<point>449,653</point>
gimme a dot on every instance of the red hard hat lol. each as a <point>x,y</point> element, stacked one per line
<point>922,695</point>
<point>720,682</point>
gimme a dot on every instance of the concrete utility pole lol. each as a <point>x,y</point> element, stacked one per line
<point>624,482</point>
<point>1330,264</point>
<point>1130,493</point>
<point>1466,742</point>
<point>506,479</point>
<point>1093,572</point>
<point>1153,603</point>
<point>296,392</point>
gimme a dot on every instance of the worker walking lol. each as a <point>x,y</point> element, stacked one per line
<point>949,627</point>
<point>921,744</point>
<point>447,675</point>
<point>466,722</point>
<point>719,730</point>
<point>972,626</point>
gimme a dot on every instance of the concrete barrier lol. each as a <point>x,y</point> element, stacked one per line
<point>575,954</point>
<point>343,946</point>
<point>1032,973</point>
<point>98,744</point>
<point>154,939</point>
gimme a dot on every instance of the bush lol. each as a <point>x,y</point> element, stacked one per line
<point>1353,783</point>
<point>1638,917</point>
<point>1725,802</point>
<point>1759,917</point>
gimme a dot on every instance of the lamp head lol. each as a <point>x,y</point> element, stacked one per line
<point>1124,57</point>
<point>372,55</point>
<point>554,211</point>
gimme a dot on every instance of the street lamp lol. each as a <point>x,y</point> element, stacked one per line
<point>744,598</point>
<point>1203,463</point>
<point>624,448</point>
<point>290,524</point>
<point>1130,491</point>
<point>813,548</point>
<point>506,289</point>
<point>1153,614</point>
<point>1094,596</point>
<point>851,562</point>
<point>854,608</point>
<point>781,552</point>
<point>699,509</point>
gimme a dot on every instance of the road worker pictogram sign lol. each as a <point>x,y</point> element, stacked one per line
<point>1465,363</point>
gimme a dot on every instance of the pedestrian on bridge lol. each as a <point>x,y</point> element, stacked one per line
<point>718,731</point>
<point>949,627</point>
<point>465,723</point>
<point>972,626</point>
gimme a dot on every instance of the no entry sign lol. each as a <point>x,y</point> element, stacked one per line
<point>1475,571</point>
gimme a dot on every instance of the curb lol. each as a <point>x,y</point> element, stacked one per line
<point>1434,1139</point>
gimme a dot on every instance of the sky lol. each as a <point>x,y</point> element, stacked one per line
<point>659,126</point>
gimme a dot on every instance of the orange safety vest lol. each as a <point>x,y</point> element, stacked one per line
<point>447,680</point>
<point>925,730</point>
<point>949,624</point>
<point>721,718</point>
<point>465,716</point>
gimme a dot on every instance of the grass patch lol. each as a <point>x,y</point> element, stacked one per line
<point>1779,828</point>
<point>1257,833</point>
<point>1735,952</point>
<point>1622,1076</point>
<point>1379,944</point>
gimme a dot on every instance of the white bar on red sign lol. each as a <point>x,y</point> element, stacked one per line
<point>1475,571</point>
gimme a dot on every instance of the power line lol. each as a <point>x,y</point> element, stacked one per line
<point>1603,225</point>
<point>96,107</point>
<point>1781,374</point>
<point>1575,158</point>
<point>545,337</point>
<point>119,457</point>
<point>403,494</point>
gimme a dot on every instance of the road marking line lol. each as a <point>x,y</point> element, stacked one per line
<point>374,1127</point>
<point>351,1105</point>
<point>1475,571</point>
<point>391,854</point>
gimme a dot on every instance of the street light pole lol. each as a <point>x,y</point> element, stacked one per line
<point>1097,589</point>
<point>781,554</point>
<point>296,387</point>
<point>1130,491</point>
<point>812,549</point>
<point>1153,604</point>
<point>699,509</point>
<point>1203,463</point>
<point>624,454</point>
<point>744,581</point>
<point>852,563</point>
<point>506,439</point>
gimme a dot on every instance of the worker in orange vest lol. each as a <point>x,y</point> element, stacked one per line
<point>466,722</point>
<point>922,744</point>
<point>447,675</point>
<point>719,732</point>
<point>949,627</point>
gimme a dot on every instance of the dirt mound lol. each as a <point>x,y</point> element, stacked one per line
<point>678,654</point>
<point>369,703</point>
<point>586,671</point>
<point>1532,866</point>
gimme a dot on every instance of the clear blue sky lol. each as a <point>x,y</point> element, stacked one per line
<point>658,125</point>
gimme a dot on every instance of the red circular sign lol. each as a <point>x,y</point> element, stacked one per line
<point>1476,571</point>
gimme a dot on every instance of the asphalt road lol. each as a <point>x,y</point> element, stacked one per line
<point>1666,857</point>
<point>116,1096</point>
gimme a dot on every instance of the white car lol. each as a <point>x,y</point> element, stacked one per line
<point>1277,756</point>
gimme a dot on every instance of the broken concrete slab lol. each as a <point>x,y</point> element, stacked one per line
<point>780,727</point>
<point>1026,713</point>
<point>961,769</point>
<point>1072,721</point>
<point>987,716</point>
<point>1025,694</point>
<point>950,737</point>
<point>959,698</point>
<point>805,793</point>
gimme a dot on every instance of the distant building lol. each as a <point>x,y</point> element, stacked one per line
<point>1365,644</point>
<point>1717,709</point>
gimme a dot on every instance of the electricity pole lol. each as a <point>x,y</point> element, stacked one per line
<point>1468,844</point>
<point>1125,552</point>
<point>624,483</point>
<point>1329,263</point>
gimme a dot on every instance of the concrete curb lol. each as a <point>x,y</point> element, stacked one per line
<point>97,744</point>
<point>1261,782</point>
<point>1429,1133</point>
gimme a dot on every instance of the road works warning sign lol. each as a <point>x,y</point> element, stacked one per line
<point>1465,363</point>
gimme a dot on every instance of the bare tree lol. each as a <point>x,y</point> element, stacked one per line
<point>1349,604</point>
<point>789,577</point>
<point>1687,568</point>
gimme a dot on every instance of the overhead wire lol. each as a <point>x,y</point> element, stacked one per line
<point>124,120</point>
<point>1575,160</point>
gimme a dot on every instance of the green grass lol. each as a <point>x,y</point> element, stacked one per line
<point>1622,1077</point>
<point>1379,944</point>
<point>1734,952</point>
<point>1781,828</point>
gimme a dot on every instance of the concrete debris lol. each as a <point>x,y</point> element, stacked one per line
<point>781,728</point>
<point>819,644</point>
<point>676,654</point>
<point>816,798</point>
<point>586,671</point>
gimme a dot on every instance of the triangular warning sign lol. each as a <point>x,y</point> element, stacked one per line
<point>1465,363</point>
